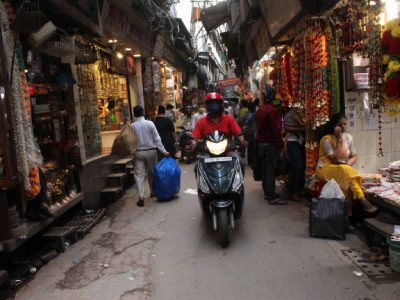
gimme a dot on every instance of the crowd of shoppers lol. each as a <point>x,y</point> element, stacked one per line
<point>267,132</point>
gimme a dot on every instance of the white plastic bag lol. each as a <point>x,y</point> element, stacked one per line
<point>331,190</point>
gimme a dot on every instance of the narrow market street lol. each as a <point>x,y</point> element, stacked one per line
<point>164,251</point>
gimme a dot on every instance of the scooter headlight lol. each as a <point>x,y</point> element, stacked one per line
<point>238,179</point>
<point>217,148</point>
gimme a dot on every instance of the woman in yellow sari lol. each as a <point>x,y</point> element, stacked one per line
<point>337,155</point>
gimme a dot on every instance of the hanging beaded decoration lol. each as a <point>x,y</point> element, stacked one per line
<point>372,49</point>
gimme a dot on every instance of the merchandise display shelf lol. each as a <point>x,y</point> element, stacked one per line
<point>379,201</point>
<point>35,227</point>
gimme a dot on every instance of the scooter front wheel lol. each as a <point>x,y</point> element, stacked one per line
<point>224,227</point>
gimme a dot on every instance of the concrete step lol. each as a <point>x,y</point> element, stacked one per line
<point>19,231</point>
<point>121,165</point>
<point>3,278</point>
<point>14,220</point>
<point>117,180</point>
<point>12,211</point>
<point>111,194</point>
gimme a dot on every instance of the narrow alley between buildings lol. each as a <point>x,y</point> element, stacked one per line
<point>165,251</point>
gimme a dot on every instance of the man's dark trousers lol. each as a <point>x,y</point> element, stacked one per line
<point>268,154</point>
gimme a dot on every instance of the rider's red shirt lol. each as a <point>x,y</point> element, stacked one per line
<point>226,125</point>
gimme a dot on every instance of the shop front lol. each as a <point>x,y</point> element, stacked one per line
<point>104,103</point>
<point>40,157</point>
<point>346,61</point>
<point>171,82</point>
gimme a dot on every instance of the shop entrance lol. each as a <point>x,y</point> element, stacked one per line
<point>104,103</point>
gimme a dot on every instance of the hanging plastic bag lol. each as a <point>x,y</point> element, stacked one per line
<point>332,190</point>
<point>125,142</point>
<point>166,179</point>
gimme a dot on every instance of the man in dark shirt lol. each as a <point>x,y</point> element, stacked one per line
<point>270,143</point>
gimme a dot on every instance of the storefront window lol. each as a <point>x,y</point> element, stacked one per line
<point>112,100</point>
<point>89,110</point>
<point>104,103</point>
<point>171,82</point>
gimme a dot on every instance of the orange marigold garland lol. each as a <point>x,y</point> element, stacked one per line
<point>311,85</point>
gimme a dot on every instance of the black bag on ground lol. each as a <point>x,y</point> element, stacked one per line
<point>328,218</point>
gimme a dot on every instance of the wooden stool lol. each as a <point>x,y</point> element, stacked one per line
<point>58,235</point>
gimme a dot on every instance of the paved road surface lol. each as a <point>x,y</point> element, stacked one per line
<point>166,252</point>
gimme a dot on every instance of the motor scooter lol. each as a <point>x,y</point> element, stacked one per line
<point>220,185</point>
<point>188,154</point>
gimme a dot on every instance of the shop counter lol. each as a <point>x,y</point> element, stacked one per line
<point>377,225</point>
<point>383,203</point>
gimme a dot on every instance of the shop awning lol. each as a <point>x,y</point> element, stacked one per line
<point>231,42</point>
<point>67,15</point>
<point>214,16</point>
<point>280,16</point>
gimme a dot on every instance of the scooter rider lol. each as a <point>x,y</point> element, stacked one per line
<point>216,120</point>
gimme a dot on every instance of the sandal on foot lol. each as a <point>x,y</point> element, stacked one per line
<point>373,209</point>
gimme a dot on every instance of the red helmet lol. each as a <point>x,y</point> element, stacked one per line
<point>214,96</point>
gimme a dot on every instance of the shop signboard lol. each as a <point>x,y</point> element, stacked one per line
<point>159,47</point>
<point>228,87</point>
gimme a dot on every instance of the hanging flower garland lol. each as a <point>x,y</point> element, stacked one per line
<point>351,19</point>
<point>391,60</point>
<point>333,66</point>
<point>298,70</point>
<point>311,85</point>
<point>283,77</point>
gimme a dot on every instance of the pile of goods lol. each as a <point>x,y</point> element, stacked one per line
<point>394,171</point>
<point>370,180</point>
<point>388,191</point>
<point>395,237</point>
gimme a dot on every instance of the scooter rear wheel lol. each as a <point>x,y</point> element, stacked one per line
<point>224,227</point>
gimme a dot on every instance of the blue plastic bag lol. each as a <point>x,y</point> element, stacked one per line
<point>166,179</point>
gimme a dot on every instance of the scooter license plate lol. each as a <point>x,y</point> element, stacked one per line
<point>217,159</point>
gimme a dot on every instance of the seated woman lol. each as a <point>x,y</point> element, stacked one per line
<point>336,157</point>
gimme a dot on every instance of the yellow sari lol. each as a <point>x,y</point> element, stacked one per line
<point>347,178</point>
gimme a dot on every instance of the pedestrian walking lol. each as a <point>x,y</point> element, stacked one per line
<point>200,114</point>
<point>166,130</point>
<point>295,126</point>
<point>249,131</point>
<point>270,144</point>
<point>148,141</point>
<point>170,112</point>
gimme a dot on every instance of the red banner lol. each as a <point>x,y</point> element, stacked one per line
<point>228,82</point>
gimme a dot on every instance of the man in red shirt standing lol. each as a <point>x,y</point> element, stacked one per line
<point>270,143</point>
<point>217,120</point>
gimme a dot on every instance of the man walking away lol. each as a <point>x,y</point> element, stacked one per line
<point>270,143</point>
<point>148,141</point>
